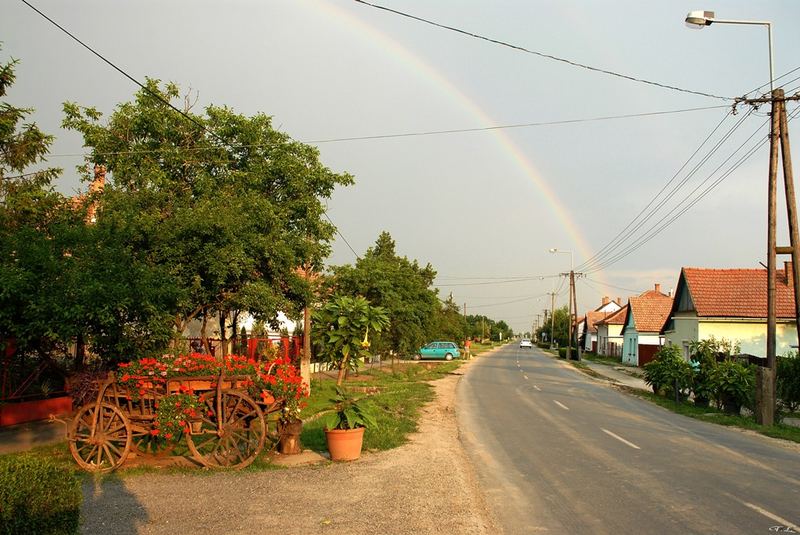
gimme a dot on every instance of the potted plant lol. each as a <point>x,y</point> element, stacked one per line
<point>344,428</point>
<point>286,384</point>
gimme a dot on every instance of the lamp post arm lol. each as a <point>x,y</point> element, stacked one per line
<point>769,35</point>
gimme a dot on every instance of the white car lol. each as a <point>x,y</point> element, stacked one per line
<point>525,343</point>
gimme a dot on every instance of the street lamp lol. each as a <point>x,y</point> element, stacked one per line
<point>700,19</point>
<point>765,377</point>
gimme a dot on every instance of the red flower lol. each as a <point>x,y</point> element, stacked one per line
<point>154,432</point>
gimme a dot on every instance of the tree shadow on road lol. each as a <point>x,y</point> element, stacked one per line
<point>109,507</point>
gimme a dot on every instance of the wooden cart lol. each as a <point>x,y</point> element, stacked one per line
<point>230,431</point>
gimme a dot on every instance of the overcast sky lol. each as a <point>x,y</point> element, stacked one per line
<point>483,207</point>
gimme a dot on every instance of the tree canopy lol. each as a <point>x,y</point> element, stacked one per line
<point>400,286</point>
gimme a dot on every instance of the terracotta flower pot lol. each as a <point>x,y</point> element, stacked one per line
<point>345,444</point>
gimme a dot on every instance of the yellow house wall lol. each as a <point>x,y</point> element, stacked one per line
<point>685,329</point>
<point>751,336</point>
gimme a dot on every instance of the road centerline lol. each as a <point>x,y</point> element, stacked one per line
<point>614,435</point>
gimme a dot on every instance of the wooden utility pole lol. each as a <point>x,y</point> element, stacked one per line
<point>552,318</point>
<point>779,134</point>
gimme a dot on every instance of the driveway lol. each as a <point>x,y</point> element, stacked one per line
<point>425,486</point>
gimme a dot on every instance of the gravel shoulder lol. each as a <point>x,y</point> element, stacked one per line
<point>424,486</point>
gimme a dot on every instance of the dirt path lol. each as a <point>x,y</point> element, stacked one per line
<point>425,486</point>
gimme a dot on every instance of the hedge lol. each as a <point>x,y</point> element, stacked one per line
<point>37,496</point>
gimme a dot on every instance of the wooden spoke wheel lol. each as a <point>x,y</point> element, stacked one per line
<point>100,437</point>
<point>231,439</point>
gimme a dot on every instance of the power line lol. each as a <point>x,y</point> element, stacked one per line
<point>341,235</point>
<point>757,89</point>
<point>655,229</point>
<point>508,302</point>
<point>610,248</point>
<point>540,54</point>
<point>616,240</point>
<point>417,134</point>
<point>605,284</point>
<point>511,126</point>
<point>160,98</point>
<point>125,74</point>
<point>666,223</point>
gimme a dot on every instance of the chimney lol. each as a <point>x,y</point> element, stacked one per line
<point>788,272</point>
<point>658,288</point>
<point>99,181</point>
<point>605,300</point>
<point>619,301</point>
<point>97,186</point>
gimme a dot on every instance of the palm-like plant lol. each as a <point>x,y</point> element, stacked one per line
<point>343,326</point>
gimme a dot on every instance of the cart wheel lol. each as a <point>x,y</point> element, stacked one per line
<point>241,435</point>
<point>107,447</point>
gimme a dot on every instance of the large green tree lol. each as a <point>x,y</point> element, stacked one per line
<point>216,208</point>
<point>449,323</point>
<point>33,222</point>
<point>400,286</point>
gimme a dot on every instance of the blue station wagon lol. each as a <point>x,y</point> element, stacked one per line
<point>438,350</point>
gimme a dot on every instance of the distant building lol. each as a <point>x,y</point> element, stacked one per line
<point>641,330</point>
<point>609,333</point>
<point>588,326</point>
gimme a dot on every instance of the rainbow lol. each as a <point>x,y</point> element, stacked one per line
<point>453,93</point>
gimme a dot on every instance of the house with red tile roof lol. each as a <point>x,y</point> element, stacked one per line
<point>609,333</point>
<point>641,331</point>
<point>587,331</point>
<point>731,304</point>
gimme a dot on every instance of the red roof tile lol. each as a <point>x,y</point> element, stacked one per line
<point>650,310</point>
<point>738,293</point>
<point>615,318</point>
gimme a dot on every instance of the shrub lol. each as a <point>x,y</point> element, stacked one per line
<point>666,368</point>
<point>788,382</point>
<point>36,496</point>
<point>733,384</point>
<point>562,352</point>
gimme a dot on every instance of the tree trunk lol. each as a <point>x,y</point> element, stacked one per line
<point>223,334</point>
<point>235,330</point>
<point>204,333</point>
<point>80,353</point>
<point>342,370</point>
<point>305,359</point>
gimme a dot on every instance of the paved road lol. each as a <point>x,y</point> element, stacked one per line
<point>559,452</point>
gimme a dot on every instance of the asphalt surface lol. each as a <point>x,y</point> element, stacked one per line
<point>558,451</point>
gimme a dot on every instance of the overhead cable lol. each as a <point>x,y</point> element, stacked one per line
<point>540,54</point>
<point>663,202</point>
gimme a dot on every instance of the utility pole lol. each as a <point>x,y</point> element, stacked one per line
<point>779,135</point>
<point>466,332</point>
<point>552,317</point>
<point>573,313</point>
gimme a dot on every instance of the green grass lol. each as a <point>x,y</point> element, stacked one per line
<point>712,415</point>
<point>612,361</point>
<point>402,393</point>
